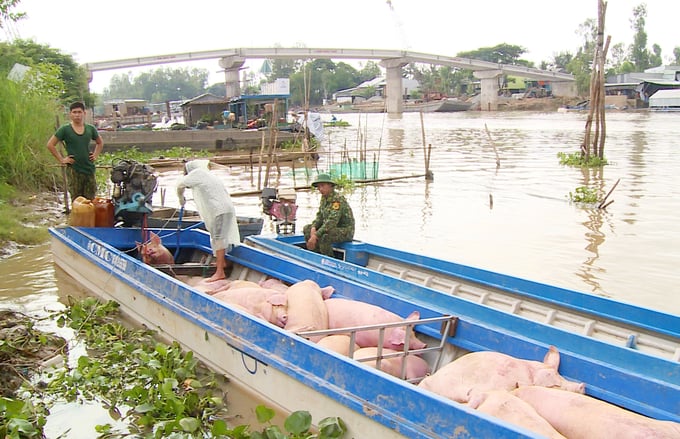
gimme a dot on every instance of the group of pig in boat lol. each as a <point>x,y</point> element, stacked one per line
<point>531,394</point>
<point>527,393</point>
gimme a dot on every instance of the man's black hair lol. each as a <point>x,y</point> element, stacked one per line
<point>77,105</point>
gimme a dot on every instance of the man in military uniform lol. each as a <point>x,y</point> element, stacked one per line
<point>334,221</point>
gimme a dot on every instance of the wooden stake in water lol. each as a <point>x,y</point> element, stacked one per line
<point>426,151</point>
<point>493,145</point>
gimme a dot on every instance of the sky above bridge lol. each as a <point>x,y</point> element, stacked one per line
<point>99,31</point>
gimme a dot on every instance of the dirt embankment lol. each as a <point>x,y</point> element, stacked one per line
<point>536,104</point>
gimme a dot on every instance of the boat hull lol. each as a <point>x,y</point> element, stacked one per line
<point>587,349</point>
<point>285,370</point>
<point>439,106</point>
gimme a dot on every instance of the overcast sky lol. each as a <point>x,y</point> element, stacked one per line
<point>96,30</point>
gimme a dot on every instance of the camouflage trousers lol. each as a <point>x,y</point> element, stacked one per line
<point>325,244</point>
<point>81,184</point>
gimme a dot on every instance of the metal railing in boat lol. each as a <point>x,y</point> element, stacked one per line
<point>447,329</point>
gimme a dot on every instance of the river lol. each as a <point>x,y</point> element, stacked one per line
<point>515,218</point>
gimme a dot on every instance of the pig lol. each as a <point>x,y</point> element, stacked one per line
<point>306,308</point>
<point>483,371</point>
<point>344,313</point>
<point>153,252</point>
<point>209,287</point>
<point>416,367</point>
<point>339,343</point>
<point>239,283</point>
<point>274,284</point>
<point>229,285</point>
<point>508,407</point>
<point>579,416</point>
<point>266,304</point>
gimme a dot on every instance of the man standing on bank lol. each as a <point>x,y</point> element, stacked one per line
<point>334,221</point>
<point>79,162</point>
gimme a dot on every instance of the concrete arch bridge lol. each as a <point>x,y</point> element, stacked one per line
<point>231,60</point>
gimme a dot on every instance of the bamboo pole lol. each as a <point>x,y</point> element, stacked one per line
<point>259,166</point>
<point>603,135</point>
<point>64,176</point>
<point>493,145</point>
<point>596,109</point>
<point>602,204</point>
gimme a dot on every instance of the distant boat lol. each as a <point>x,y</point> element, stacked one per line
<point>445,105</point>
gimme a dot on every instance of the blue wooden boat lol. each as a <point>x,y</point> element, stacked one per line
<point>412,275</point>
<point>293,373</point>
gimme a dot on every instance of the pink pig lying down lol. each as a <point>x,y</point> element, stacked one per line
<point>579,416</point>
<point>306,308</point>
<point>276,284</point>
<point>269,305</point>
<point>339,343</point>
<point>226,284</point>
<point>153,252</point>
<point>416,367</point>
<point>482,371</point>
<point>508,407</point>
<point>204,286</point>
<point>344,313</point>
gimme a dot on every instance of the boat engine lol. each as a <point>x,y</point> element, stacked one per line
<point>280,206</point>
<point>133,186</point>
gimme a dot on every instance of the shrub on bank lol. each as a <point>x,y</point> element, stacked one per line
<point>27,120</point>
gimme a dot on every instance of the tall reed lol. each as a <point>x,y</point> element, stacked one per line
<point>27,120</point>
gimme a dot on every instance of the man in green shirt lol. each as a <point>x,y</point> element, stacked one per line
<point>76,137</point>
<point>334,221</point>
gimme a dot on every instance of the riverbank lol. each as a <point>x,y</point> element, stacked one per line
<point>25,219</point>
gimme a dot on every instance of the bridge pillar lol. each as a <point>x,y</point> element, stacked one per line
<point>232,66</point>
<point>488,100</point>
<point>394,90</point>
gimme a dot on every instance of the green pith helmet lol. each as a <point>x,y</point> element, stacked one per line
<point>323,178</point>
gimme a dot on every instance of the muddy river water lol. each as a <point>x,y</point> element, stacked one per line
<point>515,218</point>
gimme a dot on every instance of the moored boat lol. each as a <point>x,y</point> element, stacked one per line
<point>296,374</point>
<point>444,105</point>
<point>633,327</point>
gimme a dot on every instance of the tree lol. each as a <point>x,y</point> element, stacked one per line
<point>7,14</point>
<point>32,54</point>
<point>580,64</point>
<point>655,57</point>
<point>159,85</point>
<point>676,54</point>
<point>639,53</point>
<point>369,71</point>
<point>500,53</point>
